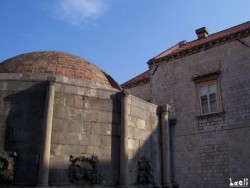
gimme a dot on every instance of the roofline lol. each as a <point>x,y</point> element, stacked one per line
<point>201,47</point>
<point>173,48</point>
<point>139,82</point>
<point>130,84</point>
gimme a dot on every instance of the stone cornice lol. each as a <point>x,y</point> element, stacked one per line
<point>201,47</point>
<point>140,82</point>
<point>54,79</point>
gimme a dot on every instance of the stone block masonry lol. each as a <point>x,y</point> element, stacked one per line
<point>209,148</point>
<point>214,165</point>
<point>141,91</point>
<point>21,115</point>
<point>143,137</point>
<point>86,122</point>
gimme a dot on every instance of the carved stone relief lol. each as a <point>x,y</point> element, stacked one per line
<point>144,172</point>
<point>7,165</point>
<point>84,169</point>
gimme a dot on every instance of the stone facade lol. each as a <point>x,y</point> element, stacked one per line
<point>144,138</point>
<point>22,112</point>
<point>139,86</point>
<point>58,131</point>
<point>86,121</point>
<point>210,148</point>
<point>141,91</point>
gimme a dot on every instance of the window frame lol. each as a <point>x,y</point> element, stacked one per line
<point>205,80</point>
<point>208,97</point>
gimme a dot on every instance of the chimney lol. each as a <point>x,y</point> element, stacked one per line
<point>201,33</point>
<point>182,43</point>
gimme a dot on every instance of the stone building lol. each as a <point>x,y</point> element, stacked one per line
<point>66,123</point>
<point>207,84</point>
<point>140,86</point>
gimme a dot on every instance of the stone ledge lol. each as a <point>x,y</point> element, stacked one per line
<point>205,116</point>
<point>57,79</point>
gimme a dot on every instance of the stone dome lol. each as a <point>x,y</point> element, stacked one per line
<point>59,64</point>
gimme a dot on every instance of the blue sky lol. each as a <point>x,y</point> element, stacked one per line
<point>119,36</point>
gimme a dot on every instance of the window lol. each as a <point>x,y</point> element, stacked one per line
<point>208,94</point>
<point>208,98</point>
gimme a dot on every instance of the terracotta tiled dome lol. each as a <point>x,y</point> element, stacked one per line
<point>56,63</point>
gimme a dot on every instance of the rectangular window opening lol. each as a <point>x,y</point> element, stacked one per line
<point>208,98</point>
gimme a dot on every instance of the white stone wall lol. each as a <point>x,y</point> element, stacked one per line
<point>209,149</point>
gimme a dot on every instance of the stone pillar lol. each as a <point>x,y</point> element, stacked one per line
<point>164,111</point>
<point>43,176</point>
<point>124,178</point>
<point>172,123</point>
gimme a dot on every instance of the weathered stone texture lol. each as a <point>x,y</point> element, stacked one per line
<point>214,165</point>
<point>220,140</point>
<point>85,123</point>
<point>21,116</point>
<point>86,120</point>
<point>142,127</point>
<point>141,91</point>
